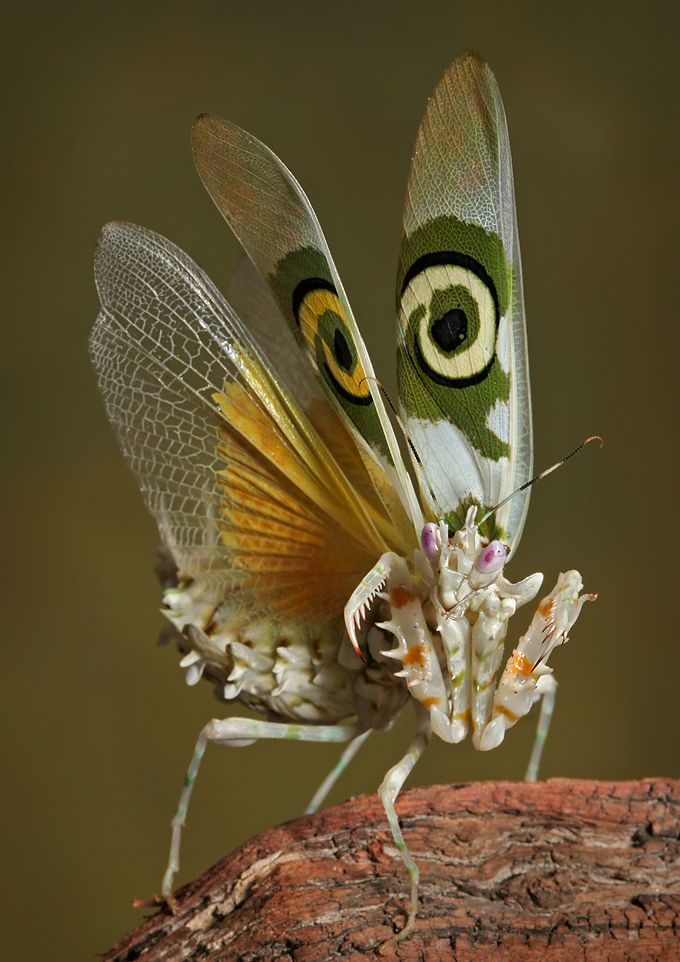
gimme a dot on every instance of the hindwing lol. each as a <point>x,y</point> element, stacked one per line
<point>248,495</point>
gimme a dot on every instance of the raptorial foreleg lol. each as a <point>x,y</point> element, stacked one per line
<point>519,684</point>
<point>392,582</point>
<point>238,732</point>
<point>370,587</point>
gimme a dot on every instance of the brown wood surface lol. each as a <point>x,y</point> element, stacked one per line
<point>567,871</point>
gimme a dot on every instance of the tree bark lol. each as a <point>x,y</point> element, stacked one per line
<point>565,871</point>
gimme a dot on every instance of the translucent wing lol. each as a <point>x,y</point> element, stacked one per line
<point>250,299</point>
<point>462,356</point>
<point>245,491</point>
<point>274,221</point>
<point>253,303</point>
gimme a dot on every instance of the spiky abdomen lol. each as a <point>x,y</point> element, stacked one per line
<point>302,671</point>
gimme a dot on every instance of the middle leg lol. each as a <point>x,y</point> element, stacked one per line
<point>335,773</point>
<point>546,690</point>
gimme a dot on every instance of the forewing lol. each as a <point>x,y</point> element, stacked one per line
<point>276,225</point>
<point>462,356</point>
<point>246,494</point>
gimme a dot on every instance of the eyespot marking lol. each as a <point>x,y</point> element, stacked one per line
<point>449,305</point>
<point>321,319</point>
<point>341,350</point>
<point>450,330</point>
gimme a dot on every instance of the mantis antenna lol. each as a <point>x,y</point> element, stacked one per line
<point>543,474</point>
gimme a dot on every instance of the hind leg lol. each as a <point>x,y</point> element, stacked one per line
<point>238,732</point>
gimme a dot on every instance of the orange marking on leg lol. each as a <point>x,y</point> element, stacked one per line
<point>510,715</point>
<point>416,656</point>
<point>521,664</point>
<point>400,596</point>
<point>429,702</point>
<point>545,609</point>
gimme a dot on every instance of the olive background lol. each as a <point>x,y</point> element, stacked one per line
<point>98,724</point>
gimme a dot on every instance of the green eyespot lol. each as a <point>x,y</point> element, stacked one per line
<point>320,317</point>
<point>449,306</point>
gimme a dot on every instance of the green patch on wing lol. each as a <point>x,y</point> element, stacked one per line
<point>305,290</point>
<point>293,270</point>
<point>456,376</point>
<point>490,530</point>
<point>422,398</point>
<point>451,234</point>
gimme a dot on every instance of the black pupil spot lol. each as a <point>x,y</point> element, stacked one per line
<point>343,355</point>
<point>450,330</point>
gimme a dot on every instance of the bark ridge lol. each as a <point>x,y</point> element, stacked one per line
<point>563,870</point>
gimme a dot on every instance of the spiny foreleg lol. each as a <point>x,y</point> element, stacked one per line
<point>391,581</point>
<point>519,685</point>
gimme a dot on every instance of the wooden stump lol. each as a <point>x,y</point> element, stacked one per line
<point>565,871</point>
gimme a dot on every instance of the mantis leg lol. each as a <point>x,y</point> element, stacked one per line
<point>388,791</point>
<point>546,690</point>
<point>238,732</point>
<point>335,773</point>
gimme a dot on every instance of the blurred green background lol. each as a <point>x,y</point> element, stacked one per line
<point>98,98</point>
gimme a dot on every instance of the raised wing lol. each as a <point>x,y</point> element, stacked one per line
<point>245,491</point>
<point>273,220</point>
<point>253,303</point>
<point>462,356</point>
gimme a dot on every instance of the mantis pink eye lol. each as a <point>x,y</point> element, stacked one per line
<point>492,558</point>
<point>430,540</point>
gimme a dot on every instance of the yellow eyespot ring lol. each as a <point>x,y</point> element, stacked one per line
<point>339,362</point>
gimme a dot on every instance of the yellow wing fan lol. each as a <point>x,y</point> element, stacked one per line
<point>294,556</point>
<point>253,303</point>
<point>289,528</point>
<point>247,491</point>
<point>275,426</point>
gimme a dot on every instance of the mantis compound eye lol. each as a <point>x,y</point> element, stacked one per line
<point>492,558</point>
<point>430,539</point>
